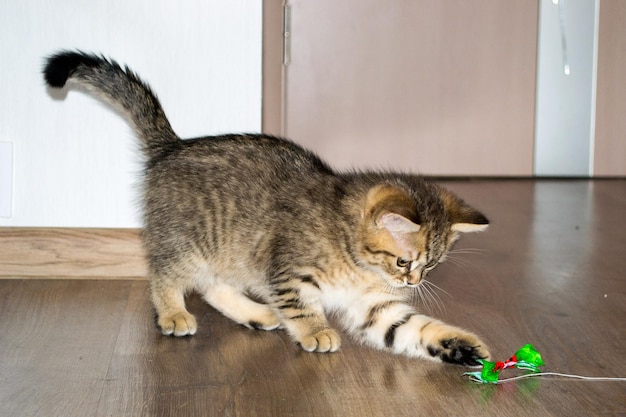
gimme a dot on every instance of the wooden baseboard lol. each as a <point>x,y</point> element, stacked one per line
<point>71,253</point>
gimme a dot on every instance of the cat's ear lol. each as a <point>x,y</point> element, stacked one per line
<point>464,218</point>
<point>389,209</point>
<point>387,205</point>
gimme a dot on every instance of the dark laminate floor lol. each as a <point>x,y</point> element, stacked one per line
<point>551,271</point>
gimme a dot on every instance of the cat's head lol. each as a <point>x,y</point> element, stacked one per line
<point>406,232</point>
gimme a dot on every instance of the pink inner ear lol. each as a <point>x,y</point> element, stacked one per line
<point>395,223</point>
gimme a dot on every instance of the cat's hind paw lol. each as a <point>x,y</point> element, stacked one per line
<point>268,322</point>
<point>178,324</point>
<point>327,340</point>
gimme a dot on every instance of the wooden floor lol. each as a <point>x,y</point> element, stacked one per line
<point>550,271</point>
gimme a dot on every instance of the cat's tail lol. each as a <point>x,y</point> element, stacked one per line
<point>119,87</point>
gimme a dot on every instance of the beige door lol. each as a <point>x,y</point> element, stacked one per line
<point>441,87</point>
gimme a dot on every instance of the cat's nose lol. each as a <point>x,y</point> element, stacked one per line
<point>414,279</point>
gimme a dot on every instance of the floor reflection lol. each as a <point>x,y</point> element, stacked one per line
<point>560,235</point>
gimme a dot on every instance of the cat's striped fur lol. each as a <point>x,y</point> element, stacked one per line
<point>273,237</point>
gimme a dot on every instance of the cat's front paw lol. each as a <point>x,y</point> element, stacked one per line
<point>180,323</point>
<point>458,347</point>
<point>327,340</point>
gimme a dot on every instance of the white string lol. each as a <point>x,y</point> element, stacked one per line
<point>585,378</point>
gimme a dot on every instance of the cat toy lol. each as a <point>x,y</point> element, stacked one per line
<point>526,358</point>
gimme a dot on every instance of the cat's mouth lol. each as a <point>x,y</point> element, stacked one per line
<point>412,284</point>
<point>406,283</point>
<point>413,280</point>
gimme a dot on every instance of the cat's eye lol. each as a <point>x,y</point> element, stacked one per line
<point>403,263</point>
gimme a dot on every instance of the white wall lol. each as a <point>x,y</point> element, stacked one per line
<point>75,161</point>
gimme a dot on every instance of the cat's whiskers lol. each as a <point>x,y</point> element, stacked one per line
<point>426,294</point>
<point>457,260</point>
<point>431,289</point>
<point>389,288</point>
<point>437,287</point>
<point>474,251</point>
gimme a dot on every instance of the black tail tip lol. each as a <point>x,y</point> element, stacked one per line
<point>60,66</point>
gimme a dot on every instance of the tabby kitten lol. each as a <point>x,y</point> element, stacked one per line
<point>273,237</point>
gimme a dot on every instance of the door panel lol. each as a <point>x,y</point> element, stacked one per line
<point>439,87</point>
<point>610,139</point>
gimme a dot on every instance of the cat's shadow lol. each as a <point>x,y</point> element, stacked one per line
<point>57,94</point>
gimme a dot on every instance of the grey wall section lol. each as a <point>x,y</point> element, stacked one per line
<point>564,123</point>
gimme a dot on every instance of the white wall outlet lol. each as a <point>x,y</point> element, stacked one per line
<point>6,179</point>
